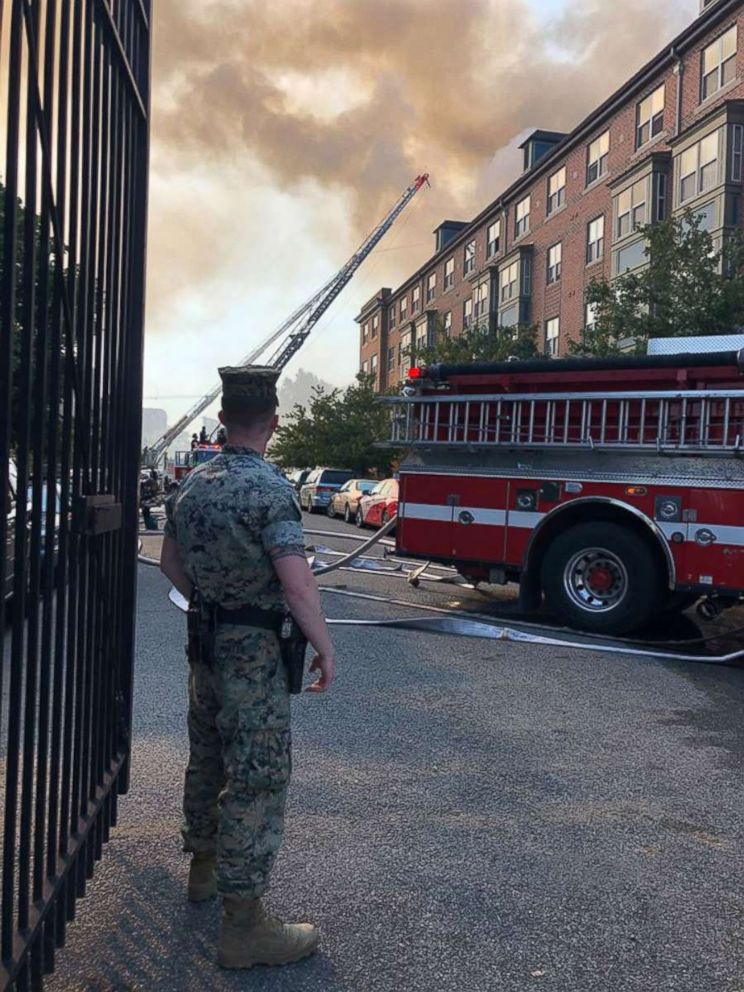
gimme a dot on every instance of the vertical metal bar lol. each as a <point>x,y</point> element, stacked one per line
<point>642,426</point>
<point>466,423</point>
<point>726,420</point>
<point>603,423</point>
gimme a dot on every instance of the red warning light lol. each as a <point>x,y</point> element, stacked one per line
<point>415,373</point>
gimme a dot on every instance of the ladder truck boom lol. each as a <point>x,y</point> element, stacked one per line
<point>295,330</point>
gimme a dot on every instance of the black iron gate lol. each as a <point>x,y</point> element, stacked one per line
<point>74,98</point>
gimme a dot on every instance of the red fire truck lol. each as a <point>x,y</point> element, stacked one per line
<point>613,488</point>
<point>186,460</point>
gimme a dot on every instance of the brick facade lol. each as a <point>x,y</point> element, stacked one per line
<point>648,178</point>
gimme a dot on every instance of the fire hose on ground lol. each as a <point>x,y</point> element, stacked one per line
<point>462,624</point>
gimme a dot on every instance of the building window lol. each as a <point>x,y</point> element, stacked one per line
<point>493,237</point>
<point>447,324</point>
<point>373,366</point>
<point>650,116</point>
<point>661,196</point>
<point>375,325</point>
<point>631,209</point>
<point>597,156</point>
<point>391,359</point>
<point>431,287</point>
<point>467,314</point>
<point>468,258</point>
<point>449,274</point>
<point>365,368</point>
<point>522,217</point>
<point>552,335</point>
<point>422,339</point>
<point>554,263</point>
<point>698,168</point>
<point>416,300</point>
<point>718,64</point>
<point>365,332</point>
<point>591,316</point>
<point>595,240</point>
<point>404,348</point>
<point>403,309</point>
<point>556,190</point>
<point>510,282</point>
<point>481,301</point>
<point>391,316</point>
<point>631,257</point>
<point>737,146</point>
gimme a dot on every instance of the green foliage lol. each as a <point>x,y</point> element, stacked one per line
<point>338,428</point>
<point>690,286</point>
<point>480,343</point>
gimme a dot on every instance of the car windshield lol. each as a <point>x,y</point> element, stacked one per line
<point>377,489</point>
<point>366,487</point>
<point>333,478</point>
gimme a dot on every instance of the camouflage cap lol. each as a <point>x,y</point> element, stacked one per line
<point>256,382</point>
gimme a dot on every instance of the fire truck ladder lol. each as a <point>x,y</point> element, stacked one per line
<point>295,330</point>
<point>695,421</point>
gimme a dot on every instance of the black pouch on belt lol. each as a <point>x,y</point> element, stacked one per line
<point>201,629</point>
<point>293,645</point>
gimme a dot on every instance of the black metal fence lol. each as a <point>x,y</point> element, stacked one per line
<point>74,97</point>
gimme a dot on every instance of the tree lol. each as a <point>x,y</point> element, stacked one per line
<point>479,343</point>
<point>690,286</point>
<point>338,428</point>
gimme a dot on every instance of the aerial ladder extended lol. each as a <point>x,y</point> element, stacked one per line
<point>289,338</point>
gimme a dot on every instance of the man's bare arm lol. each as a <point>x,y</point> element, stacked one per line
<point>303,599</point>
<point>172,567</point>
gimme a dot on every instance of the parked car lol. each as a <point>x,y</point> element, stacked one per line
<point>10,511</point>
<point>299,477</point>
<point>379,506</point>
<point>345,502</point>
<point>320,485</point>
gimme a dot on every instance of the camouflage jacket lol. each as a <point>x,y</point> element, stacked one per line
<point>226,517</point>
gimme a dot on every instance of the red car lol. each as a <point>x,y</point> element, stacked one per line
<point>379,506</point>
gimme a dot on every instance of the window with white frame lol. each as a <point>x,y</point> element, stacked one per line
<point>737,148</point>
<point>403,308</point>
<point>522,214</point>
<point>650,116</point>
<point>422,338</point>
<point>552,336</point>
<point>556,190</point>
<point>493,238</point>
<point>698,167</point>
<point>631,208</point>
<point>391,358</point>
<point>375,325</point>
<point>595,240</point>
<point>373,365</point>
<point>468,258</point>
<point>597,157</point>
<point>447,324</point>
<point>365,331</point>
<point>718,65</point>
<point>416,300</point>
<point>661,185</point>
<point>467,313</point>
<point>591,316</point>
<point>555,254</point>
<point>431,287</point>
<point>404,348</point>
<point>449,274</point>
<point>365,368</point>
<point>481,301</point>
<point>509,280</point>
<point>391,316</point>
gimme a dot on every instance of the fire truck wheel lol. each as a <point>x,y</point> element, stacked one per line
<point>586,576</point>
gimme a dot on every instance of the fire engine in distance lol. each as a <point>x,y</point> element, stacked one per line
<point>612,488</point>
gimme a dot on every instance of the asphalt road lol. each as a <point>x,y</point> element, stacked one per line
<point>465,815</point>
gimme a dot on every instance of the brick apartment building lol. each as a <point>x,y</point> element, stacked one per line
<point>671,138</point>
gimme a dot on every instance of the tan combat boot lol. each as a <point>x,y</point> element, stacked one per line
<point>250,936</point>
<point>202,880</point>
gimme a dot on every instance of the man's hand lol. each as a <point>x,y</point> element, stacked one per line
<point>326,665</point>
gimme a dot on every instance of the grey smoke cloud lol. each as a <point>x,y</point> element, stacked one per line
<point>442,85</point>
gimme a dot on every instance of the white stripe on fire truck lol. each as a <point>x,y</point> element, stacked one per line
<point>425,511</point>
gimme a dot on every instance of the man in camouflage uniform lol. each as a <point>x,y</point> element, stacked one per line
<point>234,533</point>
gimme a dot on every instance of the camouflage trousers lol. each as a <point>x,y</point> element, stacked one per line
<point>240,759</point>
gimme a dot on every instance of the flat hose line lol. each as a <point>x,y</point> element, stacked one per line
<point>481,626</point>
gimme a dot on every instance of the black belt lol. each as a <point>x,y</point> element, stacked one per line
<point>251,616</point>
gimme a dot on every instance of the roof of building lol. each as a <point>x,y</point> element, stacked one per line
<point>711,15</point>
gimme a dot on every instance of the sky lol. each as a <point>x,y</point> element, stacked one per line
<point>283,132</point>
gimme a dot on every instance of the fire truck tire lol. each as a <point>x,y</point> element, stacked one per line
<point>602,577</point>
